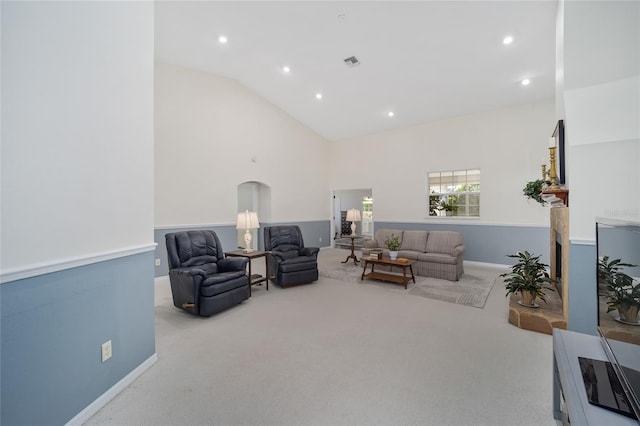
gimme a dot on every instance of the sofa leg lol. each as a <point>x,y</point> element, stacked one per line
<point>187,305</point>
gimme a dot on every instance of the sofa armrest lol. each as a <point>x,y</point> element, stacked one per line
<point>309,251</point>
<point>276,256</point>
<point>188,271</point>
<point>229,264</point>
<point>458,251</point>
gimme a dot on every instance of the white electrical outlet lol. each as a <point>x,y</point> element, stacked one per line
<point>106,350</point>
<point>157,262</point>
<point>320,239</point>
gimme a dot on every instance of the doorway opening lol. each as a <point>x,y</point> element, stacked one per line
<point>349,199</point>
<point>254,197</point>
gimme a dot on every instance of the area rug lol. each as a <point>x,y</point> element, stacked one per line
<point>472,289</point>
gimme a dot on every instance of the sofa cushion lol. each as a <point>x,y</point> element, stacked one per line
<point>300,263</point>
<point>408,254</point>
<point>414,240</point>
<point>437,258</point>
<point>443,242</point>
<point>222,283</point>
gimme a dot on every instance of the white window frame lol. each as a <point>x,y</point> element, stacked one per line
<point>449,186</point>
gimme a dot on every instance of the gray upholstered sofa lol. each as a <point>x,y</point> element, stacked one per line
<point>438,254</point>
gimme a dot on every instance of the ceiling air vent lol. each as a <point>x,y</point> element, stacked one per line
<point>352,61</point>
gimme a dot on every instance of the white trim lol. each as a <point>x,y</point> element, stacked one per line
<point>616,222</point>
<point>104,399</point>
<point>496,265</point>
<point>581,242</point>
<point>194,226</point>
<point>36,269</point>
<point>294,221</point>
<point>215,225</point>
<point>459,220</point>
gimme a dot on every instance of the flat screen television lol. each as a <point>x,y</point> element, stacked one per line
<point>618,290</point>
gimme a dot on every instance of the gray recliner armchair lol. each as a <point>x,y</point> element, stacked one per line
<point>203,281</point>
<point>290,262</point>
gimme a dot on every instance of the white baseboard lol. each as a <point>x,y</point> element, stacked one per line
<point>497,265</point>
<point>104,399</point>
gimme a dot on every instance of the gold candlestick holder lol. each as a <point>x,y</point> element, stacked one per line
<point>544,172</point>
<point>553,176</point>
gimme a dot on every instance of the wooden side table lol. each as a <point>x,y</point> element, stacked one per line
<point>253,278</point>
<point>352,255</point>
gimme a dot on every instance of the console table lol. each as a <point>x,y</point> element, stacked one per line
<point>570,404</point>
<point>253,278</point>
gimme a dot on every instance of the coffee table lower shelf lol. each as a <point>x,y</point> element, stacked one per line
<point>398,279</point>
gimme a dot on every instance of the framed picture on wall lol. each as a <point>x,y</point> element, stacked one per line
<point>558,134</point>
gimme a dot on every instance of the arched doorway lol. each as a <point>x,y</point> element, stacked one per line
<point>255,197</point>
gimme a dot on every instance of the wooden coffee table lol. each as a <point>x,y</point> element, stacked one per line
<point>400,263</point>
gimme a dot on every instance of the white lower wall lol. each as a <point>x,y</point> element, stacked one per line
<point>213,134</point>
<point>507,145</point>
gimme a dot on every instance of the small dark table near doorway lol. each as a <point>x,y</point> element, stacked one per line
<point>352,255</point>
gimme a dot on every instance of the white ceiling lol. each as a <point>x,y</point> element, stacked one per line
<point>424,60</point>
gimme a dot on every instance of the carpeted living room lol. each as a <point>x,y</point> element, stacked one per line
<point>338,352</point>
<point>127,121</point>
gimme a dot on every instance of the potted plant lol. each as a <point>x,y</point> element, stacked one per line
<point>533,190</point>
<point>528,277</point>
<point>623,290</point>
<point>393,244</point>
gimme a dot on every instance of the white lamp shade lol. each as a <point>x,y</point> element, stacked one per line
<point>247,220</point>
<point>353,215</point>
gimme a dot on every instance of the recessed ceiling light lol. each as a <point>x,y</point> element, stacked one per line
<point>390,114</point>
<point>507,40</point>
<point>286,68</point>
<point>318,95</point>
<point>222,39</point>
<point>525,82</point>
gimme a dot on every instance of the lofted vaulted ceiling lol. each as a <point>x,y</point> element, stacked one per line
<point>422,60</point>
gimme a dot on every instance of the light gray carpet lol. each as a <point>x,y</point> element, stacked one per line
<point>339,353</point>
<point>472,289</point>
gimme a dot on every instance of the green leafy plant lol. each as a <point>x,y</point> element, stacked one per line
<point>623,291</point>
<point>392,242</point>
<point>434,203</point>
<point>446,206</point>
<point>533,190</point>
<point>528,275</point>
<point>608,269</point>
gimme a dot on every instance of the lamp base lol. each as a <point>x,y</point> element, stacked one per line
<point>353,229</point>
<point>247,242</point>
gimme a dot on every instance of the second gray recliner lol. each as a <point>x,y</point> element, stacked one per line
<point>290,262</point>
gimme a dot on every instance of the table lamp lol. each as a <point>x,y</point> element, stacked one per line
<point>247,220</point>
<point>353,215</point>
